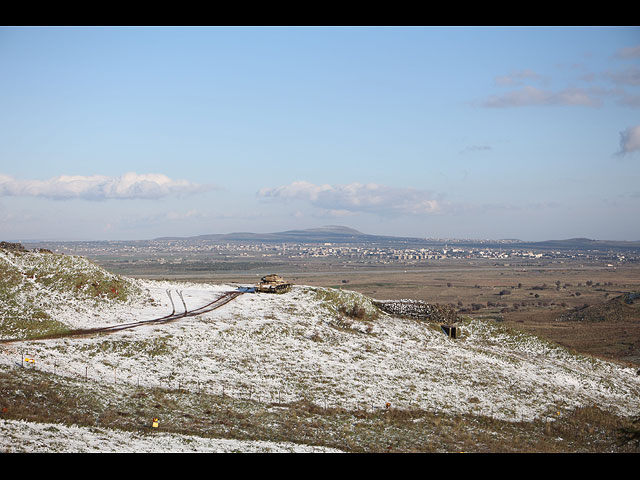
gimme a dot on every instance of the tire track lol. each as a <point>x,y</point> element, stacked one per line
<point>225,298</point>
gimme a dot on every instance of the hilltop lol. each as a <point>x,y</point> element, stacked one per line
<point>42,292</point>
<point>326,233</point>
<point>314,367</point>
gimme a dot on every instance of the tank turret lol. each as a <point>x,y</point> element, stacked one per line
<point>273,284</point>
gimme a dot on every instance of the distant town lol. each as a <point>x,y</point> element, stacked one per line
<point>249,255</point>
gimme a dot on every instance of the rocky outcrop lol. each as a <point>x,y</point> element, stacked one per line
<point>18,247</point>
<point>632,297</point>
<point>623,308</point>
<point>13,246</point>
<point>417,309</point>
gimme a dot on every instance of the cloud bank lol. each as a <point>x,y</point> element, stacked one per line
<point>342,200</point>
<point>524,94</point>
<point>99,187</point>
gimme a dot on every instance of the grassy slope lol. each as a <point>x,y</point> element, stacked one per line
<point>33,287</point>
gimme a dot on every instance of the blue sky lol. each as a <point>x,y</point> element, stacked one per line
<point>487,132</point>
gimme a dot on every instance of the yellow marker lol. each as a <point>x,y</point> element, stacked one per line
<point>155,423</point>
<point>32,360</point>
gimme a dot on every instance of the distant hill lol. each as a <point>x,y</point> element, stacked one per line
<point>335,229</point>
<point>583,244</point>
<point>342,234</point>
<point>327,233</point>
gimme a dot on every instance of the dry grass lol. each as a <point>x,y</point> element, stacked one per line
<point>29,394</point>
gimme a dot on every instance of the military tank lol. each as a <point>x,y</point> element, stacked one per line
<point>273,284</point>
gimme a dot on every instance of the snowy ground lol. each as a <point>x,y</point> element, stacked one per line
<point>291,346</point>
<point>296,345</point>
<point>29,437</point>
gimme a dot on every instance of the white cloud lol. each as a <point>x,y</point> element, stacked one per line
<point>628,76</point>
<point>299,189</point>
<point>630,140</point>
<point>629,52</point>
<point>517,78</point>
<point>99,187</point>
<point>476,148</point>
<point>342,200</point>
<point>528,95</point>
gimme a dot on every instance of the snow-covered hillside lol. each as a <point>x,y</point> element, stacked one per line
<point>20,436</point>
<point>299,345</point>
